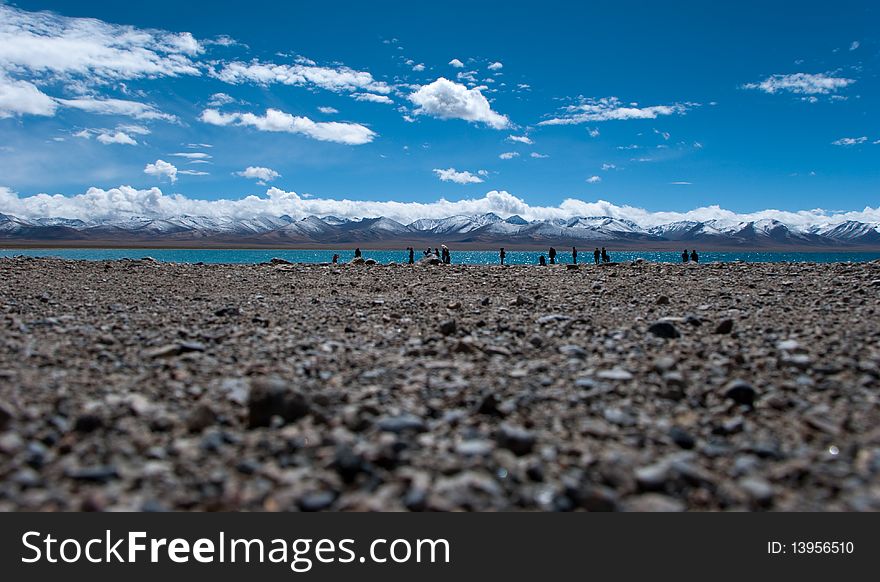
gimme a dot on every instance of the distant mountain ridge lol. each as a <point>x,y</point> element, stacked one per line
<point>483,229</point>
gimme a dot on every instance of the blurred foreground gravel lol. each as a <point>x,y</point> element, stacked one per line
<point>136,385</point>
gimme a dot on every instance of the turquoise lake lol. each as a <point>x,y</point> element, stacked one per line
<point>249,256</point>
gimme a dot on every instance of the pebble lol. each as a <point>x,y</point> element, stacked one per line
<point>274,397</point>
<point>664,329</point>
<point>740,392</point>
<point>724,327</point>
<point>516,439</point>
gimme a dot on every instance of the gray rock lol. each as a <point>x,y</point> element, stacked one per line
<point>516,439</point>
<point>273,396</point>
<point>664,329</point>
<point>402,423</point>
<point>740,392</point>
<point>724,327</point>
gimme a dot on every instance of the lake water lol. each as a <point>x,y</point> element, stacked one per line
<point>246,256</point>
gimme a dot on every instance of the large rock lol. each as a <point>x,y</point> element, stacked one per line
<point>274,396</point>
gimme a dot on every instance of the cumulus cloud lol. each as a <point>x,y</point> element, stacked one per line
<point>496,66</point>
<point>328,110</point>
<point>850,141</point>
<point>372,97</point>
<point>538,156</point>
<point>220,99</point>
<point>162,169</point>
<point>452,175</point>
<point>275,120</point>
<point>594,180</point>
<point>120,107</point>
<point>456,63</point>
<point>520,139</point>
<point>612,109</point>
<point>119,137</point>
<point>125,201</point>
<point>447,99</point>
<point>259,173</point>
<point>337,79</point>
<point>419,68</point>
<point>854,45</point>
<point>508,155</point>
<point>802,84</point>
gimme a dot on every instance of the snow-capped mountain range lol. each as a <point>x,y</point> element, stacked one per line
<point>478,230</point>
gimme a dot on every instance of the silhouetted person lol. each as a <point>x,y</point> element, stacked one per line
<point>335,259</point>
<point>412,255</point>
<point>501,255</point>
<point>574,255</point>
<point>357,252</point>
<point>428,252</point>
<point>552,255</point>
<point>684,256</point>
<point>694,256</point>
<point>605,257</point>
<point>542,261</point>
<point>596,255</point>
<point>445,257</point>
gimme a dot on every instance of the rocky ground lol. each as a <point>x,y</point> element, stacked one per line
<point>146,386</point>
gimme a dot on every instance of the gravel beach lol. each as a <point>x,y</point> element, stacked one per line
<point>138,385</point>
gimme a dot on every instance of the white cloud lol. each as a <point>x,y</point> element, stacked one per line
<point>681,183</point>
<point>419,68</point>
<point>496,66</point>
<point>23,98</point>
<point>125,201</point>
<point>509,155</point>
<point>259,173</point>
<point>538,156</point>
<point>93,51</point>
<point>594,180</point>
<point>611,109</point>
<point>338,79</point>
<point>606,167</point>
<point>593,131</point>
<point>193,172</point>
<point>446,99</point>
<point>521,139</point>
<point>220,99</point>
<point>452,175</point>
<point>802,84</point>
<point>855,44</point>
<point>456,63</point>
<point>192,155</point>
<point>278,121</point>
<point>372,97</point>
<point>850,141</point>
<point>118,137</point>
<point>133,109</point>
<point>328,110</point>
<point>162,169</point>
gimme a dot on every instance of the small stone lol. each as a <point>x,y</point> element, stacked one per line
<point>453,305</point>
<point>516,439</point>
<point>653,502</point>
<point>725,327</point>
<point>7,415</point>
<point>474,447</point>
<point>788,346</point>
<point>88,422</point>
<point>653,477</point>
<point>663,300</point>
<point>274,397</point>
<point>614,374</point>
<point>100,474</point>
<point>448,327</point>
<point>740,392</point>
<point>10,443</point>
<point>664,329</point>
<point>758,490</point>
<point>317,501</point>
<point>200,418</point>
<point>573,351</point>
<point>402,423</point>
<point>227,311</point>
<point>682,438</point>
<point>349,464</point>
<point>489,405</point>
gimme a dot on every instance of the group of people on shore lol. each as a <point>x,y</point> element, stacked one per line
<point>445,257</point>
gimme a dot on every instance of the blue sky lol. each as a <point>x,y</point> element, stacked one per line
<point>660,106</point>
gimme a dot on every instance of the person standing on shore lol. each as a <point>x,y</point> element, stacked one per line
<point>684,256</point>
<point>357,253</point>
<point>605,257</point>
<point>412,255</point>
<point>574,255</point>
<point>552,255</point>
<point>335,259</point>
<point>542,261</point>
<point>694,256</point>
<point>596,255</point>
<point>501,255</point>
